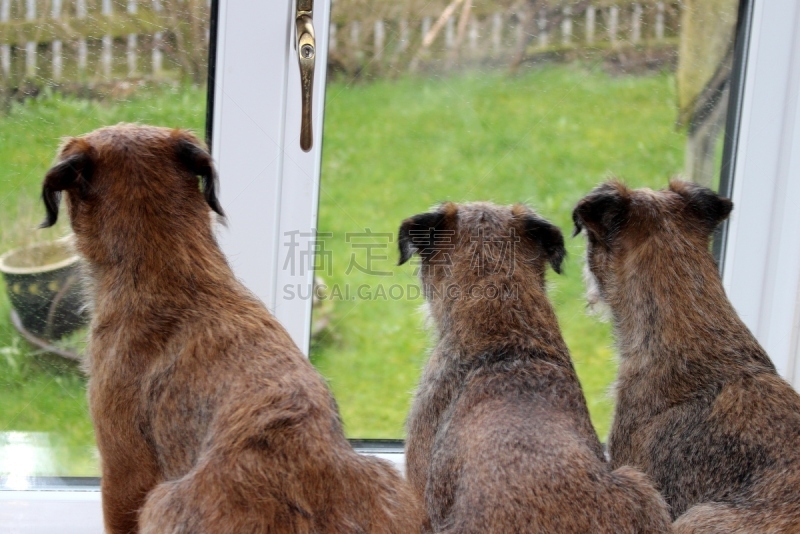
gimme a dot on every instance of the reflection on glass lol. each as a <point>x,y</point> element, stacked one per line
<point>504,101</point>
<point>68,67</point>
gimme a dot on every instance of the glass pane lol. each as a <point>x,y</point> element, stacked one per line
<point>68,67</point>
<point>528,101</point>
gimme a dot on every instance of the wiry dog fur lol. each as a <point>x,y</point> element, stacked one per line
<point>499,436</point>
<point>208,418</point>
<point>700,407</point>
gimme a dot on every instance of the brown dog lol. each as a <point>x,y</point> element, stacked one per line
<point>700,407</point>
<point>499,436</point>
<point>207,416</point>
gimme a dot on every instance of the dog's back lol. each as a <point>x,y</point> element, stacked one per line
<point>270,443</point>
<point>499,435</point>
<point>527,460</point>
<point>207,416</point>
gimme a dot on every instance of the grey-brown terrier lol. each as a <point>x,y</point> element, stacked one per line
<point>499,436</point>
<point>700,407</point>
<point>207,416</point>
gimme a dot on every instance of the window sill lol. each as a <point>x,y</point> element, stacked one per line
<point>72,505</point>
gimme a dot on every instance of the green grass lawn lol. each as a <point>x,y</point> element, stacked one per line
<point>394,148</point>
<point>391,149</point>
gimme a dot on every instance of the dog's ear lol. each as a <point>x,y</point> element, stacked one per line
<point>545,234</point>
<point>421,233</point>
<point>603,211</point>
<point>703,203</point>
<point>72,172</point>
<point>198,161</point>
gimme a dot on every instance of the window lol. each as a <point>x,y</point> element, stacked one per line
<point>462,127</point>
<point>408,125</point>
<point>502,101</point>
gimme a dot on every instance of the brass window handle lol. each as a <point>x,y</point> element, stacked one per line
<point>306,52</point>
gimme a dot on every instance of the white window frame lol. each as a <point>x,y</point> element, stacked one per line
<point>761,270</point>
<point>269,187</point>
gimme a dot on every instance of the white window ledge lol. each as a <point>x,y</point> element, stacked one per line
<point>76,509</point>
<point>63,511</point>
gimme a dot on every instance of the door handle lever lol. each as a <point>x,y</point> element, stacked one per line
<point>306,52</point>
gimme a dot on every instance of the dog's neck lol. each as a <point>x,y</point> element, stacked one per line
<point>144,271</point>
<point>674,320</point>
<point>520,321</point>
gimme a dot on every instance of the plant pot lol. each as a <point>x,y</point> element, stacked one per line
<point>44,286</point>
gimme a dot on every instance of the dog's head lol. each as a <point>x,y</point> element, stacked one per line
<point>644,229</point>
<point>125,177</point>
<point>479,251</point>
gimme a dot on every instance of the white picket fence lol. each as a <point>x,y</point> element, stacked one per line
<point>57,41</point>
<point>499,36</point>
<point>88,41</point>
